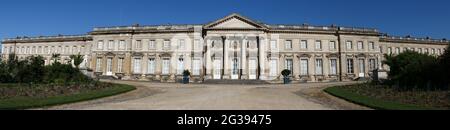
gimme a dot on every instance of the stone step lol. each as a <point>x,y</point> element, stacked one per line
<point>229,81</point>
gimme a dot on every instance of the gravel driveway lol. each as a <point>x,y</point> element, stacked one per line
<point>172,96</point>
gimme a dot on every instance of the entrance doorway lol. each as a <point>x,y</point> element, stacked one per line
<point>109,66</point>
<point>235,69</point>
<point>252,68</point>
<point>217,69</point>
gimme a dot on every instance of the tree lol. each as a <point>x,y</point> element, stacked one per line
<point>55,57</point>
<point>412,70</point>
<point>77,60</point>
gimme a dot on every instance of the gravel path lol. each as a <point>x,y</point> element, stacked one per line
<point>171,96</point>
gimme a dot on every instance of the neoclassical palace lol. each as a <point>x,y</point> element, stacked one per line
<point>232,48</point>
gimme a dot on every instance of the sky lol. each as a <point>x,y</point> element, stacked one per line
<point>419,18</point>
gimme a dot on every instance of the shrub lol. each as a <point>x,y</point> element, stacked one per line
<point>411,70</point>
<point>286,72</point>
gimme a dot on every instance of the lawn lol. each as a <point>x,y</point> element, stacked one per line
<point>14,96</point>
<point>386,98</point>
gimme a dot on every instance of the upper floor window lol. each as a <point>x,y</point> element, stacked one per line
<point>151,44</point>
<point>360,45</point>
<point>122,44</point>
<point>303,44</point>
<point>318,45</point>
<point>111,44</point>
<point>100,45</point>
<point>371,45</point>
<point>166,44</point>
<point>273,45</point>
<point>197,44</point>
<point>332,45</point>
<point>181,44</point>
<point>288,44</point>
<point>349,45</point>
<point>138,44</point>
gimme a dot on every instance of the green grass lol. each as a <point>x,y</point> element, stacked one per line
<point>30,102</point>
<point>371,102</point>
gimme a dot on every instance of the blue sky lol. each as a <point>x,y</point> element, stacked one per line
<point>52,17</point>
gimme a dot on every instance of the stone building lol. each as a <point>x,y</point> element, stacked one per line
<point>234,47</point>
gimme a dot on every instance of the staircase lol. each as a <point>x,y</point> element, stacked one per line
<point>229,81</point>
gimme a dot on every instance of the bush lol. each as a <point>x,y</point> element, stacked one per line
<point>32,70</point>
<point>411,70</point>
<point>286,72</point>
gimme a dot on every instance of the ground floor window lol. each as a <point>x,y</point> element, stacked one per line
<point>120,65</point>
<point>333,66</point>
<point>319,67</point>
<point>303,67</point>
<point>289,65</point>
<point>137,65</point>
<point>350,66</point>
<point>98,65</point>
<point>166,66</point>
<point>361,66</point>
<point>196,67</point>
<point>151,66</point>
<point>273,68</point>
<point>372,64</point>
<point>180,68</point>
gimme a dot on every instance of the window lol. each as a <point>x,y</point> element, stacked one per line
<point>318,45</point>
<point>389,50</point>
<point>349,45</point>
<point>362,66</point>
<point>181,45</point>
<point>303,67</point>
<point>166,44</point>
<point>74,49</point>
<point>166,66</point>
<point>39,50</point>
<point>137,65</point>
<point>122,44</point>
<point>332,45</point>
<point>111,44</point>
<point>439,52</point>
<point>303,44</point>
<point>419,50</point>
<point>333,66</point>
<point>350,66</point>
<point>426,50</point>
<point>289,65</point>
<point>319,67</point>
<point>138,45</point>
<point>151,66</point>
<point>288,44</point>
<point>120,65</point>
<point>372,45</point>
<point>397,50</point>
<point>99,65</point>
<point>360,45</point>
<point>180,66</point>
<point>151,44</point>
<point>273,45</point>
<point>100,45</point>
<point>273,67</point>
<point>197,45</point>
<point>196,67</point>
<point>372,64</point>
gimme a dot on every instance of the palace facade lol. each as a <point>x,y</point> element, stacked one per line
<point>234,47</point>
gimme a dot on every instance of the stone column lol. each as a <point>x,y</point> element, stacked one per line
<point>261,59</point>
<point>244,59</point>
<point>226,71</point>
<point>207,61</point>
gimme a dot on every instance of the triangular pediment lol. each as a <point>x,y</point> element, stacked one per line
<point>235,21</point>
